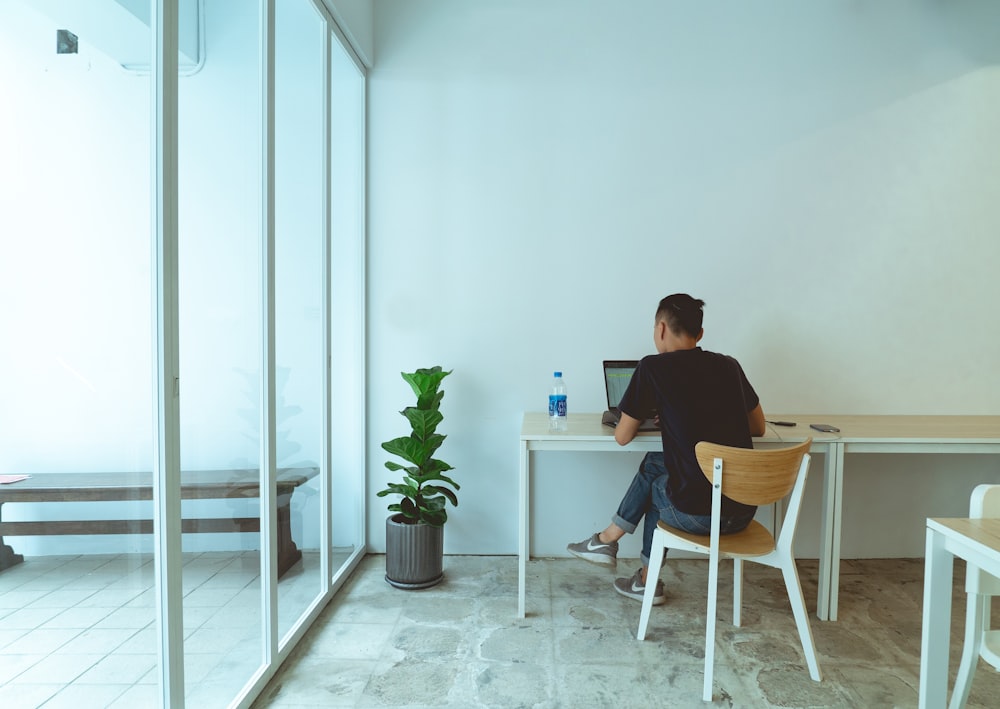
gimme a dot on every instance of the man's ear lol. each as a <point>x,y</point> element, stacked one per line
<point>701,333</point>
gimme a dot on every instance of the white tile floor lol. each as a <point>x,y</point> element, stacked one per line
<point>80,632</point>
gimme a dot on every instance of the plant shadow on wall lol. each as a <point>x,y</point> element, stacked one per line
<point>285,447</point>
<point>414,535</point>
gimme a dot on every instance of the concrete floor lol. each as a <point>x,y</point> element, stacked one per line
<point>459,644</point>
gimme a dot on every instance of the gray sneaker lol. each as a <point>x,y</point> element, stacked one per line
<point>634,588</point>
<point>595,551</point>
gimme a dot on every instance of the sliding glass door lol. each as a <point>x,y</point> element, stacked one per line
<point>300,273</point>
<point>219,327</point>
<point>245,259</point>
<point>346,199</point>
<point>77,600</point>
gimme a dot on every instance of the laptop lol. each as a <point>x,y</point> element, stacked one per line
<point>617,375</point>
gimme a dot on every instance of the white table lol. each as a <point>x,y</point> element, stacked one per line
<point>858,434</point>
<point>586,433</point>
<point>978,542</point>
<point>950,435</point>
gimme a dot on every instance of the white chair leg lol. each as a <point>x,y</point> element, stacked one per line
<point>791,574</point>
<point>652,574</point>
<point>737,590</point>
<point>976,612</point>
<point>713,598</point>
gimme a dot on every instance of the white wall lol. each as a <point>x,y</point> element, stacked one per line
<point>823,174</point>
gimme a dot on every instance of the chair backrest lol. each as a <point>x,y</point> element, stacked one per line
<point>983,503</point>
<point>752,476</point>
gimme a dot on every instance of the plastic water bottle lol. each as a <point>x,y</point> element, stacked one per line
<point>557,403</point>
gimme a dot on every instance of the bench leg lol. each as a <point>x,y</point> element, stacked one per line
<point>7,556</point>
<point>288,553</point>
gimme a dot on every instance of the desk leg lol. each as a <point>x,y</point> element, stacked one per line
<point>522,532</point>
<point>838,515</point>
<point>7,556</point>
<point>829,557</point>
<point>935,634</point>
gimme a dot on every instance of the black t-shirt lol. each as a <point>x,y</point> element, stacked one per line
<point>699,396</point>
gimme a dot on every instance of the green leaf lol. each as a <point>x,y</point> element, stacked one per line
<point>409,449</point>
<point>423,381</point>
<point>406,490</point>
<point>446,479</point>
<point>409,509</point>
<point>434,519</point>
<point>411,469</point>
<point>443,491</point>
<point>396,444</point>
<point>433,470</point>
<point>423,422</point>
<point>430,401</point>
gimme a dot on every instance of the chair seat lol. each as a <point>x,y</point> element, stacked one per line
<point>753,541</point>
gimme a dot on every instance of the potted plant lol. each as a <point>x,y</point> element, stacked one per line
<point>414,534</point>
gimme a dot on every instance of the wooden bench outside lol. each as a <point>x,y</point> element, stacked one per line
<point>126,487</point>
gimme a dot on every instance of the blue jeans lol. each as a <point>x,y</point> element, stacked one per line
<point>647,497</point>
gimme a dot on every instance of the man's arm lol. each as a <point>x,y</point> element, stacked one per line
<point>758,427</point>
<point>627,429</point>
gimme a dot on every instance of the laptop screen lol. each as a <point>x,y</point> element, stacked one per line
<point>617,375</point>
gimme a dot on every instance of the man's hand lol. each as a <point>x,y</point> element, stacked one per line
<point>627,429</point>
<point>758,427</point>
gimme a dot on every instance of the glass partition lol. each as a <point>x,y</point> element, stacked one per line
<point>78,593</point>
<point>300,350</point>
<point>219,177</point>
<point>77,601</point>
<point>347,308</point>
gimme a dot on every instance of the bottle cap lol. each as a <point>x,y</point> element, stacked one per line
<point>557,374</point>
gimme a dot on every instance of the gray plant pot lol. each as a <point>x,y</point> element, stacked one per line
<point>413,554</point>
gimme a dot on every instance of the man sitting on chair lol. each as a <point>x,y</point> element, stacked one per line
<point>697,396</point>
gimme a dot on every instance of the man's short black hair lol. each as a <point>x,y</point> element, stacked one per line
<point>683,313</point>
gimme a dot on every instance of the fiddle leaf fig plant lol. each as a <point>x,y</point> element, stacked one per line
<point>424,489</point>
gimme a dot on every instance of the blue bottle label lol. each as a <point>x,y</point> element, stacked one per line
<point>557,404</point>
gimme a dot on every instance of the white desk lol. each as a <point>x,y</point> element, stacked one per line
<point>978,542</point>
<point>858,434</point>
<point>586,433</point>
<point>949,435</point>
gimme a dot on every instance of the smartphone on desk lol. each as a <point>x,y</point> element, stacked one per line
<point>824,427</point>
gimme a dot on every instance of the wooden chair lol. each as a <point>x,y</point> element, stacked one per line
<point>980,587</point>
<point>753,477</point>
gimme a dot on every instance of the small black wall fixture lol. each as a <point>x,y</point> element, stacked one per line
<point>66,42</point>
